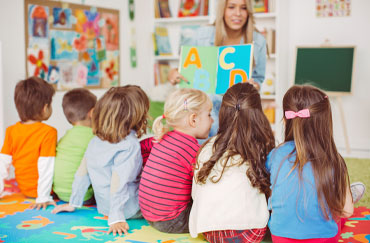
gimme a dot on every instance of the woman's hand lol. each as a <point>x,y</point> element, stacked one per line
<point>120,227</point>
<point>175,77</point>
<point>42,205</point>
<point>63,208</point>
<point>255,84</point>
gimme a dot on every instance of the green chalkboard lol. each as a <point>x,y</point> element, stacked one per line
<point>328,68</point>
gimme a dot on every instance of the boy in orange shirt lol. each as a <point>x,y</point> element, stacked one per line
<point>30,144</point>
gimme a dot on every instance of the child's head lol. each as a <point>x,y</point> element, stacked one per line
<point>32,98</point>
<point>243,130</point>
<point>185,110</point>
<point>308,121</point>
<point>120,110</point>
<point>78,104</point>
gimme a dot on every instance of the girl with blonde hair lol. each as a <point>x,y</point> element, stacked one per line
<point>165,186</point>
<point>112,162</point>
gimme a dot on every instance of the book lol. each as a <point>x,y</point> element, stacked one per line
<point>260,6</point>
<point>154,45</point>
<point>157,14</point>
<point>213,69</point>
<point>163,70</point>
<point>270,36</point>
<point>189,8</point>
<point>164,8</point>
<point>162,40</point>
<point>188,35</point>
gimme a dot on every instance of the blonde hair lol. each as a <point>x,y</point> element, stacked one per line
<point>178,104</point>
<point>120,110</point>
<point>221,35</point>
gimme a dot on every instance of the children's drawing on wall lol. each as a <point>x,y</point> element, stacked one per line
<point>53,74</point>
<point>37,62</point>
<point>72,45</point>
<point>333,8</point>
<point>62,45</point>
<point>110,69</point>
<point>110,31</point>
<point>62,18</point>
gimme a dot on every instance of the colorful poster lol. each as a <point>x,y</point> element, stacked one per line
<point>62,45</point>
<point>215,69</point>
<point>67,78</point>
<point>38,28</point>
<point>100,48</point>
<point>37,62</point>
<point>53,74</point>
<point>333,8</point>
<point>62,18</point>
<point>110,31</point>
<point>93,69</point>
<point>110,69</point>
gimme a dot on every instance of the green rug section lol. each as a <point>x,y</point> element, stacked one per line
<point>359,170</point>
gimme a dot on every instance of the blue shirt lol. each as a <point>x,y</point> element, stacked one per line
<point>113,170</point>
<point>295,208</point>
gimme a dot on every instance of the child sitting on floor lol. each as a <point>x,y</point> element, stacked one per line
<point>231,183</point>
<point>165,185</point>
<point>112,161</point>
<point>30,144</point>
<point>78,106</point>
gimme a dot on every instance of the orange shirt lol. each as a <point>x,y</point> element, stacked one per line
<point>26,143</point>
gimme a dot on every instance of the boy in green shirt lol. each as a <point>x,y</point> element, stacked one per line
<point>78,105</point>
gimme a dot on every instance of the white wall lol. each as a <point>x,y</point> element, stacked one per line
<point>13,56</point>
<point>307,29</point>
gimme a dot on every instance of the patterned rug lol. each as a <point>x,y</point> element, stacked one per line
<point>20,224</point>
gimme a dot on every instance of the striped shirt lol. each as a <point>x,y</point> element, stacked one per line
<point>165,186</point>
<point>146,146</point>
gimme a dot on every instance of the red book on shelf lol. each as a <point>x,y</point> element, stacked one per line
<point>189,8</point>
<point>164,8</point>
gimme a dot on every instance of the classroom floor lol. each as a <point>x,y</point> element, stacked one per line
<point>359,170</point>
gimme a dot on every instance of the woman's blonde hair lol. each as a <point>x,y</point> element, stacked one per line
<point>120,110</point>
<point>178,104</point>
<point>220,35</point>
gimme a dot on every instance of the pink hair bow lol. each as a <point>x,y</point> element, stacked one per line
<point>302,114</point>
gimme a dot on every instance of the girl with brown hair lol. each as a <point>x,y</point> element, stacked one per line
<point>310,183</point>
<point>230,182</point>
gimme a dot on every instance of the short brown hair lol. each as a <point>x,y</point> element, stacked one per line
<point>120,110</point>
<point>77,103</point>
<point>30,97</point>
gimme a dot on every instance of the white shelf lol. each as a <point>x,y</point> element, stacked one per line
<point>166,58</point>
<point>268,97</point>
<point>182,20</point>
<point>264,15</point>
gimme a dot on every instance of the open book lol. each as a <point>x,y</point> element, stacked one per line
<point>213,69</point>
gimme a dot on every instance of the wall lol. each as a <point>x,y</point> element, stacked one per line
<point>307,29</point>
<point>13,56</point>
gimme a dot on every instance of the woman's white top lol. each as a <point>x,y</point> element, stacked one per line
<point>230,204</point>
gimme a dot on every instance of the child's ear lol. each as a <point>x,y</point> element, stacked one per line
<point>192,120</point>
<point>89,114</point>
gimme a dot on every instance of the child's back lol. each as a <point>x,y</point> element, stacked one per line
<point>77,107</point>
<point>30,144</point>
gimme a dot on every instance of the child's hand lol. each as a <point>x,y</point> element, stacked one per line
<point>42,205</point>
<point>120,227</point>
<point>63,208</point>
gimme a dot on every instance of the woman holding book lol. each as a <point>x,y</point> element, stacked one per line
<point>234,25</point>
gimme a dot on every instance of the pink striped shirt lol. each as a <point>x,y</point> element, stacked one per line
<point>165,186</point>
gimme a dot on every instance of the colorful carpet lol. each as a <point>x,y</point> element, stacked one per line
<point>20,224</point>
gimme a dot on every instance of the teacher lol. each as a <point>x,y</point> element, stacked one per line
<point>234,25</point>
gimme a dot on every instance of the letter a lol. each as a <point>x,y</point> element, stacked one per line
<point>195,61</point>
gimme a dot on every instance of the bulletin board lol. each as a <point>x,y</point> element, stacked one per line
<point>328,68</point>
<point>72,45</point>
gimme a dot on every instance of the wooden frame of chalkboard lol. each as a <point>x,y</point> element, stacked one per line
<point>329,68</point>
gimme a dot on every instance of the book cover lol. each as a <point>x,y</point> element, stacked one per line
<point>260,6</point>
<point>214,69</point>
<point>164,9</point>
<point>163,68</point>
<point>189,8</point>
<point>162,40</point>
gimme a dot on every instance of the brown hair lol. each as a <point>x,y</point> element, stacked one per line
<point>220,34</point>
<point>30,97</point>
<point>313,137</point>
<point>244,130</point>
<point>77,103</point>
<point>120,110</point>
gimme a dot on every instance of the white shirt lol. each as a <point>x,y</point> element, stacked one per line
<point>230,204</point>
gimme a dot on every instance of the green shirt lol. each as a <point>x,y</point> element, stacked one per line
<point>70,151</point>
